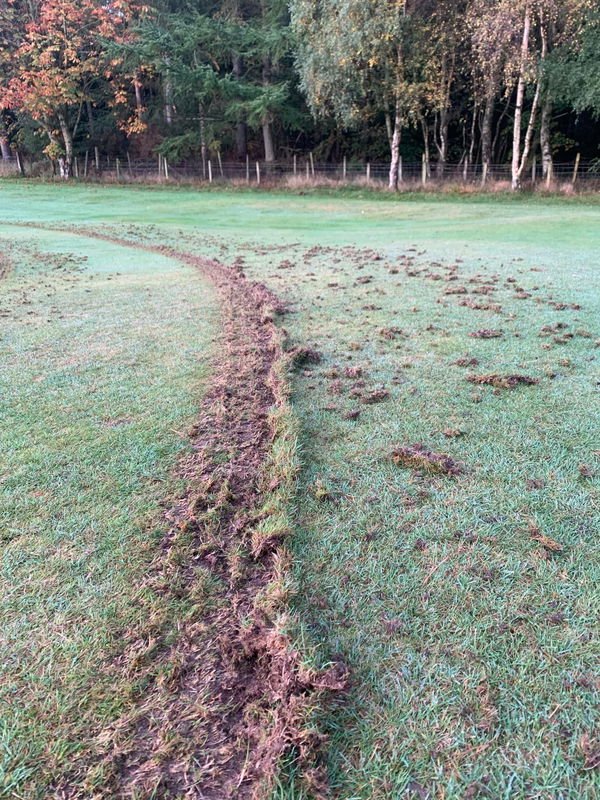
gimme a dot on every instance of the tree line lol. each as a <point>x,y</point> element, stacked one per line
<point>464,81</point>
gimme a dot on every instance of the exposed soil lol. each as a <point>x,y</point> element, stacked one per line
<point>226,695</point>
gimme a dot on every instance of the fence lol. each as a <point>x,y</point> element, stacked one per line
<point>94,166</point>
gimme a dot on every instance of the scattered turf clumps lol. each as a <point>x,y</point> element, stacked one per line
<point>306,355</point>
<point>466,361</point>
<point>391,333</point>
<point>377,396</point>
<point>455,290</point>
<point>586,471</point>
<point>486,333</point>
<point>590,749</point>
<point>546,542</point>
<point>502,381</point>
<point>417,456</point>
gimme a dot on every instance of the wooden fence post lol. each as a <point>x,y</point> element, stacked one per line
<point>533,171</point>
<point>549,174</point>
<point>220,162</point>
<point>129,165</point>
<point>209,171</point>
<point>258,173</point>
<point>312,164</point>
<point>295,164</point>
<point>400,175</point>
<point>423,170</point>
<point>368,171</point>
<point>344,169</point>
<point>118,170</point>
<point>166,163</point>
<point>576,168</point>
<point>307,171</point>
<point>97,158</point>
<point>85,163</point>
<point>247,168</point>
<point>484,175</point>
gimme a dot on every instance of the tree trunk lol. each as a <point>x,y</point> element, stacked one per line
<point>530,129</point>
<point>139,103</point>
<point>241,141</point>
<point>203,149</point>
<point>4,147</point>
<point>426,155</point>
<point>472,134</point>
<point>266,122</point>
<point>268,141</point>
<point>545,143</point>
<point>441,140</point>
<point>91,125</point>
<point>65,161</point>
<point>441,143</point>
<point>516,149</point>
<point>168,97</point>
<point>486,135</point>
<point>395,148</point>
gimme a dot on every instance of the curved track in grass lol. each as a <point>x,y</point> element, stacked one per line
<point>225,695</point>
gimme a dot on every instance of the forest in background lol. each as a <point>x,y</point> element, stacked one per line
<point>474,82</point>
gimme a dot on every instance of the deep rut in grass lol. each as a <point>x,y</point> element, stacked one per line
<point>225,696</point>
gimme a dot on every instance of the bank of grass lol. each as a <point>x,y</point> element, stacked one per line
<point>470,637</point>
<point>104,353</point>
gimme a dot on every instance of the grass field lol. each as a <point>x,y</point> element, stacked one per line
<point>465,604</point>
<point>103,361</point>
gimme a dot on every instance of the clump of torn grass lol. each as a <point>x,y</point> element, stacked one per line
<point>545,541</point>
<point>416,456</point>
<point>305,355</point>
<point>502,381</point>
<point>486,333</point>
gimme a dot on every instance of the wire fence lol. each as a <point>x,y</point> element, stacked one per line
<point>93,166</point>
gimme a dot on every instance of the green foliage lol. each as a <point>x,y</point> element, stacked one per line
<point>576,70</point>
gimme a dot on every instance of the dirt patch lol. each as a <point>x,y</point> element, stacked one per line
<point>225,695</point>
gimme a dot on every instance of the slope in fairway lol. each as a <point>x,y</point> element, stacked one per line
<point>104,352</point>
<point>465,605</point>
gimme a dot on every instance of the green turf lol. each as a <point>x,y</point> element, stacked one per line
<point>104,353</point>
<point>473,650</point>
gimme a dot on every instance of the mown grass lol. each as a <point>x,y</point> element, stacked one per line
<point>472,646</point>
<point>104,353</point>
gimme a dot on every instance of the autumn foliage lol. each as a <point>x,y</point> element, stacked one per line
<point>61,59</point>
